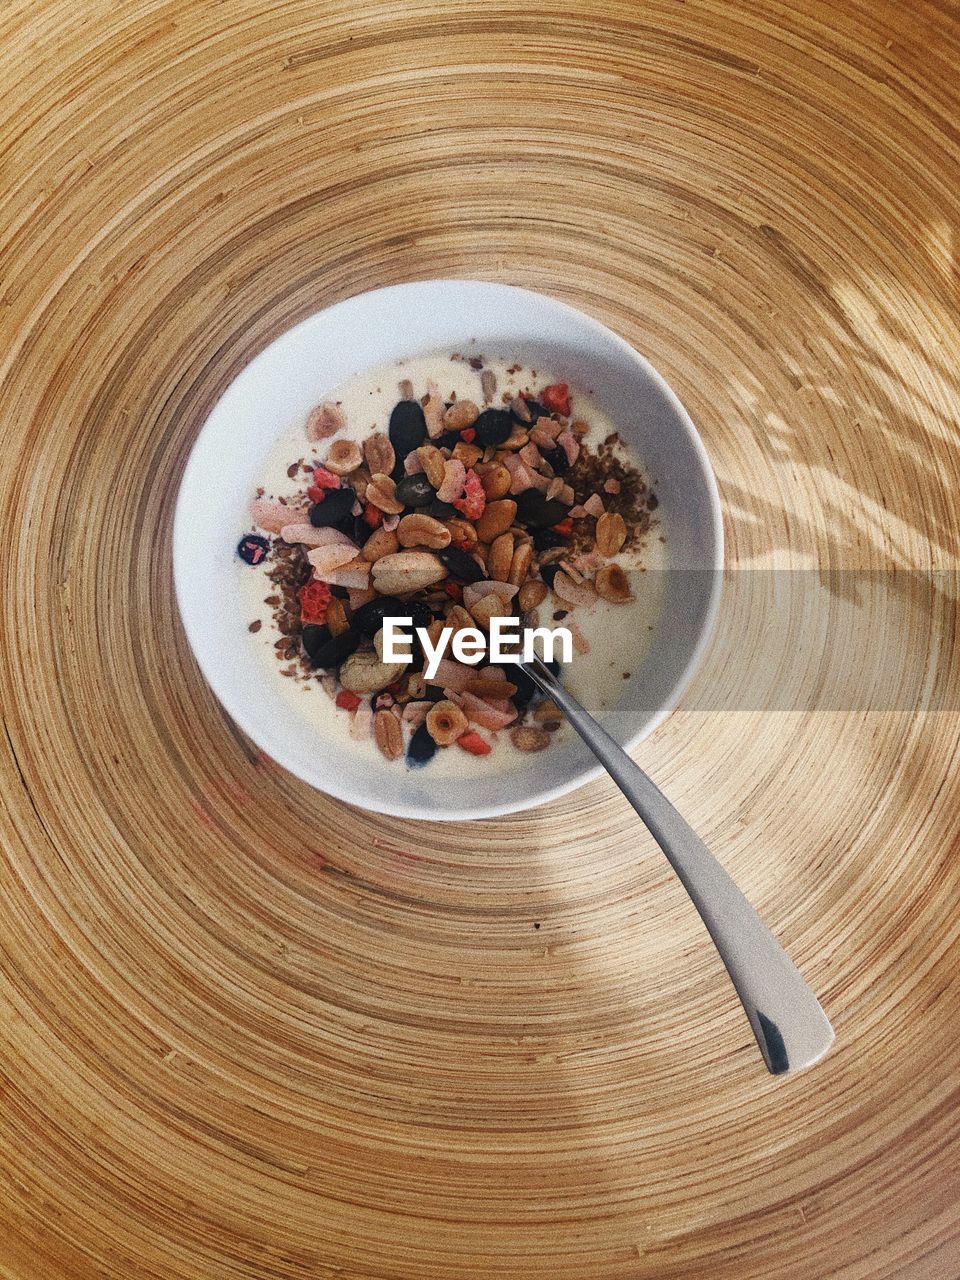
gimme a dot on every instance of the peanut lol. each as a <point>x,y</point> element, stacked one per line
<point>419,530</point>
<point>500,557</point>
<point>336,618</point>
<point>344,456</point>
<point>612,584</point>
<point>382,542</point>
<point>363,672</point>
<point>407,571</point>
<point>432,460</point>
<point>497,517</point>
<point>520,564</point>
<point>495,481</point>
<point>462,532</point>
<point>490,606</point>
<point>468,454</point>
<point>611,533</point>
<point>445,723</point>
<point>381,491</point>
<point>325,421</point>
<point>531,594</point>
<point>526,738</point>
<point>461,414</point>
<point>379,454</point>
<point>388,732</point>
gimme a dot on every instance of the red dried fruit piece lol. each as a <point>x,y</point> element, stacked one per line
<point>453,589</point>
<point>372,516</point>
<point>315,493</point>
<point>556,398</point>
<point>473,743</point>
<point>474,498</point>
<point>348,701</point>
<point>565,527</point>
<point>314,599</point>
<point>468,435</point>
<point>325,479</point>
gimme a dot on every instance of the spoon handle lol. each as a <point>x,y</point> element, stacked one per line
<point>791,1028</point>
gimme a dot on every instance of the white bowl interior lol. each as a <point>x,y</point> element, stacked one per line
<point>303,366</point>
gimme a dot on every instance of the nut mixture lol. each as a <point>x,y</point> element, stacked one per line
<point>455,514</point>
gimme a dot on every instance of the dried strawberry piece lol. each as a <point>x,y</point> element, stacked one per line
<point>315,493</point>
<point>325,479</point>
<point>347,701</point>
<point>453,589</point>
<point>565,527</point>
<point>556,398</point>
<point>372,516</point>
<point>473,743</point>
<point>314,599</point>
<point>474,498</point>
<point>468,435</point>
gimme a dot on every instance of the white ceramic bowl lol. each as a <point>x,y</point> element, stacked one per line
<point>303,366</point>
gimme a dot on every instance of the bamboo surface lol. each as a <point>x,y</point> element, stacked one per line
<point>249,1032</point>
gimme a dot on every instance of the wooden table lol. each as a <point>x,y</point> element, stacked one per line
<point>248,1032</point>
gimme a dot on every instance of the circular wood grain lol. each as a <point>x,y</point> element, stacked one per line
<point>248,1032</point>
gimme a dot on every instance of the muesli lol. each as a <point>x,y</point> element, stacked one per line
<point>453,512</point>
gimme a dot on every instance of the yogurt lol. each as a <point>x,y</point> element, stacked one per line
<point>617,635</point>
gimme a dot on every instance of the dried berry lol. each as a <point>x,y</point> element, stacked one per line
<point>421,746</point>
<point>557,459</point>
<point>556,398</point>
<point>473,743</point>
<point>347,701</point>
<point>493,427</point>
<point>314,600</point>
<point>336,506</point>
<point>474,499</point>
<point>460,565</point>
<point>253,548</point>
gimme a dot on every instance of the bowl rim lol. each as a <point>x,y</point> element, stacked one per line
<point>645,727</point>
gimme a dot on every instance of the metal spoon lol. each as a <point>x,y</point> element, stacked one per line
<point>791,1028</point>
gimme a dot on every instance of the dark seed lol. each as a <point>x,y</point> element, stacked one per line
<point>336,505</point>
<point>253,548</point>
<point>493,427</point>
<point>408,427</point>
<point>557,459</point>
<point>538,512</point>
<point>548,572</point>
<point>448,440</point>
<point>421,747</point>
<point>326,650</point>
<point>415,491</point>
<point>460,565</point>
